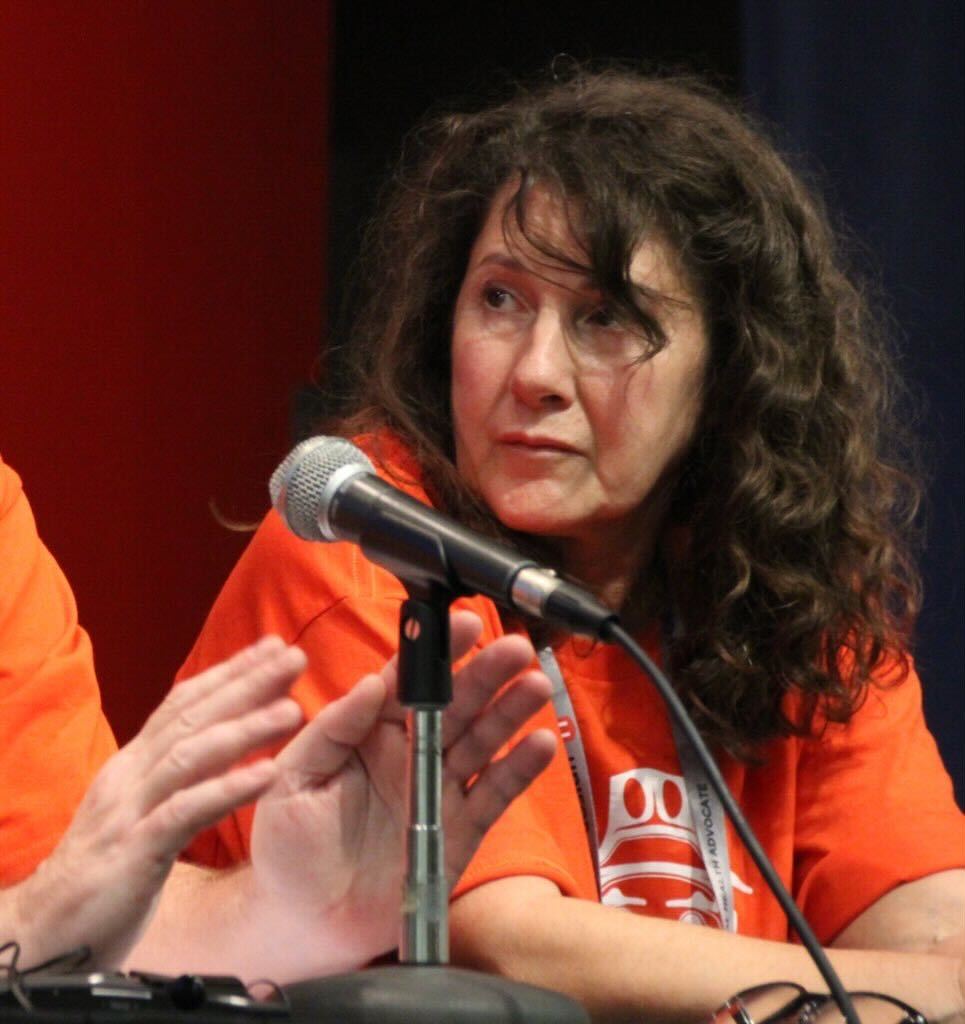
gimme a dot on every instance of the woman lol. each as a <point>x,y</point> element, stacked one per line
<point>604,320</point>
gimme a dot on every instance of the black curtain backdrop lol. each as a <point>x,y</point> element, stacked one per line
<point>395,62</point>
<point>870,92</point>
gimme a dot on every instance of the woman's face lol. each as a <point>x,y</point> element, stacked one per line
<point>559,425</point>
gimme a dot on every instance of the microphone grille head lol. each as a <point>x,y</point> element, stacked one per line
<point>303,486</point>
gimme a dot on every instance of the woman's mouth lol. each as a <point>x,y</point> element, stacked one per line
<point>536,443</point>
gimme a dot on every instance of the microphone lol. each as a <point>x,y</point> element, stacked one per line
<point>326,489</point>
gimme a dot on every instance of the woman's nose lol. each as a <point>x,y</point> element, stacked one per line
<point>543,371</point>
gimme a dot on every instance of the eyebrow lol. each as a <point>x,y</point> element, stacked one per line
<point>502,260</point>
<point>509,262</point>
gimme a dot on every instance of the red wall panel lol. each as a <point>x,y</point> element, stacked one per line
<point>162,220</point>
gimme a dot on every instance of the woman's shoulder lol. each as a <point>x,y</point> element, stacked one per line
<point>395,461</point>
<point>306,577</point>
<point>887,700</point>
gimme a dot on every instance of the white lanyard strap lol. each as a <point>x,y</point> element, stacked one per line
<point>706,809</point>
<point>707,813</point>
<point>575,754</point>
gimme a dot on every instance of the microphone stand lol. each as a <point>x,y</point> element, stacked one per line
<point>423,987</point>
<point>425,688</point>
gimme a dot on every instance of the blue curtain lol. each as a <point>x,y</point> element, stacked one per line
<point>870,93</point>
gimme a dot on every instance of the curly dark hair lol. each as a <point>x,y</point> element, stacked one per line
<point>796,574</point>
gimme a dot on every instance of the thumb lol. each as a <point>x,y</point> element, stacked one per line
<point>325,744</point>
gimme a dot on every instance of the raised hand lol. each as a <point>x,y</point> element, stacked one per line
<point>99,887</point>
<point>326,848</point>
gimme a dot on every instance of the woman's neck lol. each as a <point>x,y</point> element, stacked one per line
<point>615,566</point>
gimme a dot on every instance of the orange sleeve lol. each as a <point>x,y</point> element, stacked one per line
<point>876,808</point>
<point>53,734</point>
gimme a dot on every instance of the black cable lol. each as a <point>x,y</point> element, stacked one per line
<point>71,960</point>
<point>13,975</point>
<point>613,631</point>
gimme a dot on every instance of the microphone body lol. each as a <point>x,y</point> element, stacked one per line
<point>326,489</point>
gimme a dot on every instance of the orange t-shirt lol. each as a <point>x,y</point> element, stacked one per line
<point>53,734</point>
<point>844,818</point>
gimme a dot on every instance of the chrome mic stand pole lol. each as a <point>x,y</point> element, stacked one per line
<point>425,688</point>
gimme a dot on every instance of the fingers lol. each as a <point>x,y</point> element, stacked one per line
<point>505,779</point>
<point>348,720</point>
<point>250,678</point>
<point>223,715</point>
<point>470,814</point>
<point>494,727</point>
<point>469,817</point>
<point>464,629</point>
<point>323,746</point>
<point>476,683</point>
<point>217,748</point>
<point>175,821</point>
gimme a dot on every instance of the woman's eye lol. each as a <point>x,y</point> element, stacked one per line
<point>603,316</point>
<point>496,297</point>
